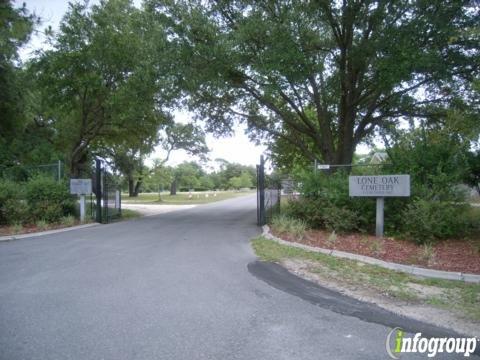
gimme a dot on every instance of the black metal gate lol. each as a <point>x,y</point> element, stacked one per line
<point>268,195</point>
<point>108,195</point>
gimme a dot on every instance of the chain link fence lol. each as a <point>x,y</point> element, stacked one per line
<point>18,173</point>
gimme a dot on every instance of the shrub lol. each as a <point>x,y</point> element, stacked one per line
<point>428,220</point>
<point>15,211</point>
<point>48,199</point>
<point>12,208</point>
<point>340,219</point>
<point>308,210</point>
<point>326,204</point>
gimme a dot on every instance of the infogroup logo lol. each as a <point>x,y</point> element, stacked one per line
<point>397,344</point>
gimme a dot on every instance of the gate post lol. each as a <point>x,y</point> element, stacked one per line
<point>261,188</point>
<point>98,187</point>
<point>258,195</point>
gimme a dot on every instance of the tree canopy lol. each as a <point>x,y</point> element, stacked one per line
<point>321,77</point>
<point>16,25</point>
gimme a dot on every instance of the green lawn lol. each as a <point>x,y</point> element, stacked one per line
<point>183,198</point>
<point>451,295</point>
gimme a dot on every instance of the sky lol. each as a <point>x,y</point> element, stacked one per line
<point>237,148</point>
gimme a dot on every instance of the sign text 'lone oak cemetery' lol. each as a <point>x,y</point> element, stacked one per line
<point>380,187</point>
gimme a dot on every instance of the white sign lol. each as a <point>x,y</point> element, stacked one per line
<point>323,167</point>
<point>81,186</point>
<point>379,186</point>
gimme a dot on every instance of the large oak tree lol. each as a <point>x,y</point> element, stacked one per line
<point>322,76</point>
<point>98,86</point>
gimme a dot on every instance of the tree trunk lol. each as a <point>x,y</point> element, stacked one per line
<point>78,164</point>
<point>131,186</point>
<point>136,191</point>
<point>173,188</point>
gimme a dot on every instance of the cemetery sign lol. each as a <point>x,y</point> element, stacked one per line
<point>379,186</point>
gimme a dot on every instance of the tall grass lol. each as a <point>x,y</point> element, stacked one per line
<point>286,224</point>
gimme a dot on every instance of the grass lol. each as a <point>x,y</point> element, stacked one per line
<point>67,220</point>
<point>17,228</point>
<point>183,198</point>
<point>459,296</point>
<point>283,223</point>
<point>42,225</point>
<point>128,214</point>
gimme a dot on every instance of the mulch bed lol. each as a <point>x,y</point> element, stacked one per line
<point>448,255</point>
<point>31,228</point>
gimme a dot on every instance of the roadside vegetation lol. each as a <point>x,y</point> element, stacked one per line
<point>41,203</point>
<point>459,297</point>
<point>435,227</point>
<point>438,208</point>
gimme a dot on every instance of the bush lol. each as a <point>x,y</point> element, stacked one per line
<point>426,221</point>
<point>327,204</point>
<point>341,219</point>
<point>12,208</point>
<point>15,211</point>
<point>48,199</point>
<point>308,210</point>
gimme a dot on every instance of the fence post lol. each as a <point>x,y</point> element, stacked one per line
<point>98,187</point>
<point>59,170</point>
<point>118,200</point>
<point>262,191</point>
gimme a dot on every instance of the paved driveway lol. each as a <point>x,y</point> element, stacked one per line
<point>173,286</point>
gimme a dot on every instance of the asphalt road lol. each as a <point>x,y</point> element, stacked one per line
<point>181,285</point>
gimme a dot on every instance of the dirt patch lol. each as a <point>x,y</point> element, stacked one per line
<point>321,275</point>
<point>425,291</point>
<point>449,255</point>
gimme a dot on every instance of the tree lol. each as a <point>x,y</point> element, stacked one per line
<point>16,25</point>
<point>323,76</point>
<point>128,158</point>
<point>98,85</point>
<point>206,182</point>
<point>186,175</point>
<point>435,158</point>
<point>242,181</point>
<point>472,177</point>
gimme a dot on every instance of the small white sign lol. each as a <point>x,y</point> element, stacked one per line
<point>81,186</point>
<point>323,167</point>
<point>379,186</point>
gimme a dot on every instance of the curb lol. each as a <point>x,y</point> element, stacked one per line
<point>48,232</point>
<point>409,269</point>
